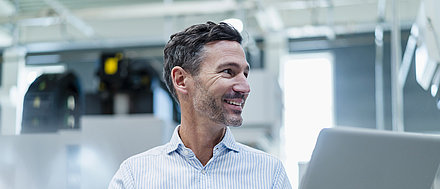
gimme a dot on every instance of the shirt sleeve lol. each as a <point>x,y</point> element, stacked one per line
<point>281,179</point>
<point>123,179</point>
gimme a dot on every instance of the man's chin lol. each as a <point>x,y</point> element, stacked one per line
<point>234,122</point>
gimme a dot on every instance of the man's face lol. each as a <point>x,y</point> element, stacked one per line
<point>221,88</point>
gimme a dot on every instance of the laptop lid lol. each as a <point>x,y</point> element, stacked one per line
<point>348,158</point>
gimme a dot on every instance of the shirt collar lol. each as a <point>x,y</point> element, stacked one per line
<point>228,141</point>
<point>175,141</point>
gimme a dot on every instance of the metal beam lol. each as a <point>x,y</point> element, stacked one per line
<point>408,55</point>
<point>396,90</point>
<point>379,81</point>
<point>71,18</point>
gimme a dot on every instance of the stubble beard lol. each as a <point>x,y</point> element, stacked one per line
<point>206,104</point>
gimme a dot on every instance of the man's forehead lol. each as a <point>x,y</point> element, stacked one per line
<point>234,64</point>
<point>223,42</point>
<point>224,47</point>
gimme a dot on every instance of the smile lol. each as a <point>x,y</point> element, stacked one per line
<point>234,103</point>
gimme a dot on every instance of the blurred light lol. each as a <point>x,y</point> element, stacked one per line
<point>308,95</point>
<point>5,38</point>
<point>435,83</point>
<point>13,93</point>
<point>6,8</point>
<point>438,104</point>
<point>421,60</point>
<point>31,76</point>
<point>425,67</point>
<point>378,33</point>
<point>434,89</point>
<point>415,30</point>
<point>236,23</point>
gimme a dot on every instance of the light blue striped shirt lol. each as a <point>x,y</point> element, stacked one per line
<point>172,165</point>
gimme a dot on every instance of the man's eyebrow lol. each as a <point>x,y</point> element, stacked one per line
<point>232,64</point>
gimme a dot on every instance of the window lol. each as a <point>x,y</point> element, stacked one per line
<point>307,82</point>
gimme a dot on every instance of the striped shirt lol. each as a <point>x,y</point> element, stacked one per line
<point>233,165</point>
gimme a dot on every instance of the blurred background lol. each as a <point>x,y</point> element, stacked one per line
<point>81,85</point>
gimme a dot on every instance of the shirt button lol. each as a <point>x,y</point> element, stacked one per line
<point>203,171</point>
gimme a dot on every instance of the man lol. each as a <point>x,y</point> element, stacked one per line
<point>206,71</point>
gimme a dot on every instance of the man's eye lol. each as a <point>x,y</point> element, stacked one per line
<point>228,71</point>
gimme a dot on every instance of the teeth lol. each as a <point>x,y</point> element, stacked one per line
<point>234,103</point>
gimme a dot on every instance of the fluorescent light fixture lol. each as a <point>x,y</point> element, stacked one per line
<point>434,89</point>
<point>236,23</point>
<point>427,53</point>
<point>425,67</point>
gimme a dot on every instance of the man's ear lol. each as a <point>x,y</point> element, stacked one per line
<point>180,77</point>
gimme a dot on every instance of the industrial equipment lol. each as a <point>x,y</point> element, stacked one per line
<point>52,102</point>
<point>125,85</point>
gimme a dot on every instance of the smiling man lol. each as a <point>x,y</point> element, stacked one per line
<point>206,71</point>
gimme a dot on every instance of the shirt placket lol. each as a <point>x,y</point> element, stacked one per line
<point>204,173</point>
<point>207,171</point>
<point>199,171</point>
<point>204,178</point>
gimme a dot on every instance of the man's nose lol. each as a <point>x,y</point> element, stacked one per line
<point>242,85</point>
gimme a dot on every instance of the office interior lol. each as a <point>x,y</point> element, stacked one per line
<point>81,85</point>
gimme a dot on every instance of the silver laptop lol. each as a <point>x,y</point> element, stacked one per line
<point>346,158</point>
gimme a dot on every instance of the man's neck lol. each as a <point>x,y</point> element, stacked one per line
<point>201,138</point>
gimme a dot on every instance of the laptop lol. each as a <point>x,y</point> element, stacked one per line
<point>348,158</point>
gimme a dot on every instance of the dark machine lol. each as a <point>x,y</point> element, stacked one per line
<point>122,76</point>
<point>52,102</point>
<point>134,78</point>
